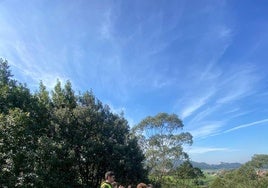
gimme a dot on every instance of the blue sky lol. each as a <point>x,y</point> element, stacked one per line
<point>203,60</point>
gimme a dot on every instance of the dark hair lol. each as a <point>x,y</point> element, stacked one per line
<point>109,174</point>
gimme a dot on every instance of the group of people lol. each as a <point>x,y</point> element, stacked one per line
<point>111,183</point>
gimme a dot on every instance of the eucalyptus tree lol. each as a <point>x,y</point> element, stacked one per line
<point>161,138</point>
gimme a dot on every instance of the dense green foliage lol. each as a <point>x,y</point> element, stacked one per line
<point>258,161</point>
<point>245,176</point>
<point>60,139</point>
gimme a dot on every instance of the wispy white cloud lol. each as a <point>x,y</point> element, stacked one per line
<point>225,32</point>
<point>240,82</point>
<point>161,83</point>
<point>239,114</point>
<point>207,129</point>
<point>27,54</point>
<point>33,67</point>
<point>246,125</point>
<point>202,115</point>
<point>195,104</point>
<point>192,108</point>
<point>106,26</point>
<point>202,150</point>
<point>233,110</point>
<point>205,79</point>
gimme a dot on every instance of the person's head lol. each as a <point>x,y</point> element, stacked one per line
<point>141,185</point>
<point>109,176</point>
<point>149,186</point>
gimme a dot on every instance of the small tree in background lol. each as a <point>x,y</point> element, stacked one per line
<point>186,174</point>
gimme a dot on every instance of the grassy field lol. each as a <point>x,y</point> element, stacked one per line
<point>210,176</point>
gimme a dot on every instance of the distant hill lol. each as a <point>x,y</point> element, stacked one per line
<point>222,165</point>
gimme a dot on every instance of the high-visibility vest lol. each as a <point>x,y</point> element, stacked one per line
<point>106,185</point>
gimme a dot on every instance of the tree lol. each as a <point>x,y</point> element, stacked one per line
<point>19,131</point>
<point>17,150</point>
<point>63,140</point>
<point>5,73</point>
<point>86,141</point>
<point>259,161</point>
<point>103,145</point>
<point>132,170</point>
<point>12,94</point>
<point>70,99</point>
<point>186,173</point>
<point>162,141</point>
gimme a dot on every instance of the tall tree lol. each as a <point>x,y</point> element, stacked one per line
<point>102,137</point>
<point>162,141</point>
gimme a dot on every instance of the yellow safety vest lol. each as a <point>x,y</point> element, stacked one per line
<point>106,185</point>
